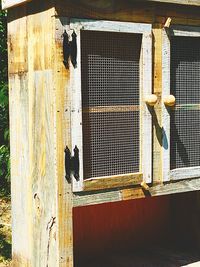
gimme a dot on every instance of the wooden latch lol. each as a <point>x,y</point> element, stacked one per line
<point>72,165</point>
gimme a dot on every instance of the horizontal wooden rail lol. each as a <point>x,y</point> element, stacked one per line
<point>106,109</point>
<point>114,195</point>
<point>10,3</point>
<point>113,181</point>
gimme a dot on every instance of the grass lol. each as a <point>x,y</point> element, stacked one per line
<point>5,232</point>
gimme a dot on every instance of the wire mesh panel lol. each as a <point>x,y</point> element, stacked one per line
<point>185,118</point>
<point>110,76</point>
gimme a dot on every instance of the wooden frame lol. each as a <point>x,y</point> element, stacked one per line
<point>145,172</point>
<point>180,173</point>
<point>10,3</point>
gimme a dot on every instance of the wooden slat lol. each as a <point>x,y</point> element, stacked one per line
<point>145,115</point>
<point>10,3</point>
<point>181,2</point>
<point>63,138</point>
<point>85,199</point>
<point>129,11</point>
<point>19,139</point>
<point>186,107</point>
<point>189,31</point>
<point>156,111</point>
<point>165,112</point>
<point>112,182</point>
<point>42,179</point>
<point>103,109</point>
<point>17,41</point>
<point>185,173</point>
<point>110,26</point>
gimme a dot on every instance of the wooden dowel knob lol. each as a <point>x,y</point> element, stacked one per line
<point>169,100</point>
<point>151,100</point>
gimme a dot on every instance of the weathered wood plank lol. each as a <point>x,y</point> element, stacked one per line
<point>96,198</point>
<point>145,115</point>
<point>189,31</point>
<point>63,138</point>
<point>185,173</point>
<point>156,111</point>
<point>165,110</point>
<point>84,199</point>
<point>19,140</point>
<point>112,182</point>
<point>17,41</point>
<point>128,11</point>
<point>10,3</point>
<point>42,137</point>
<point>180,2</point>
<point>20,186</point>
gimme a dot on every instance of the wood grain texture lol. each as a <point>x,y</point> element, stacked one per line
<point>156,112</point>
<point>180,2</point>
<point>20,186</point>
<point>35,241</point>
<point>17,41</point>
<point>145,115</point>
<point>85,199</point>
<point>19,139</point>
<point>112,181</point>
<point>128,11</point>
<point>63,138</point>
<point>185,173</point>
<point>11,3</point>
<point>42,137</point>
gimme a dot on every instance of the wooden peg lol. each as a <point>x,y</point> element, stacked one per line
<point>145,186</point>
<point>168,23</point>
<point>151,100</point>
<point>169,100</point>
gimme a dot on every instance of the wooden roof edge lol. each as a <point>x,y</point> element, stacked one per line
<point>6,4</point>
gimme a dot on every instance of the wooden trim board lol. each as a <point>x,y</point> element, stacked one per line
<point>99,197</point>
<point>11,3</point>
<point>112,182</point>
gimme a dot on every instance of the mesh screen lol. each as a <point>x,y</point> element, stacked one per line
<point>110,102</point>
<point>185,86</point>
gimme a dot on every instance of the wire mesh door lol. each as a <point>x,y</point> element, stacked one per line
<point>185,118</point>
<point>111,103</point>
<point>113,70</point>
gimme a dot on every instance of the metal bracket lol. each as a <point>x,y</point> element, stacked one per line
<point>72,164</point>
<point>69,49</point>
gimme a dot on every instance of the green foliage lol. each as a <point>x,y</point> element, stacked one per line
<point>4,123</point>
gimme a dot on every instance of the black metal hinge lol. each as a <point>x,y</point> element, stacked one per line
<point>72,164</point>
<point>69,49</point>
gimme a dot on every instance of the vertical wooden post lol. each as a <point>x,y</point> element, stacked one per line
<point>63,139</point>
<point>40,129</point>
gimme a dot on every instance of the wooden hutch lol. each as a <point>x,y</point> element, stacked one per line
<point>104,107</point>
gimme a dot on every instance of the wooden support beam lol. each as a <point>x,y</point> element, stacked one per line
<point>11,3</point>
<point>99,197</point>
